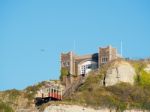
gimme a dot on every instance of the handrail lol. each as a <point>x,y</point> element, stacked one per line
<point>74,86</point>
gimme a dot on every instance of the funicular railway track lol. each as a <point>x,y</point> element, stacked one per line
<point>55,93</point>
<point>74,86</point>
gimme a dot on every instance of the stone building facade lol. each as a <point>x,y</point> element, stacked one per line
<point>81,65</point>
<point>107,54</point>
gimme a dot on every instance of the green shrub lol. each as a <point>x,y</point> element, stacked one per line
<point>144,79</point>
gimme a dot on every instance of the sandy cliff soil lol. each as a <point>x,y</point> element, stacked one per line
<point>75,108</point>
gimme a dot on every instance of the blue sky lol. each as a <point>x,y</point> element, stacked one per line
<point>33,33</point>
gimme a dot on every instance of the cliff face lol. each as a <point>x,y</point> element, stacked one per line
<point>120,71</point>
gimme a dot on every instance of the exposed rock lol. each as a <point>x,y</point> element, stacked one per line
<point>75,108</point>
<point>147,69</point>
<point>120,71</point>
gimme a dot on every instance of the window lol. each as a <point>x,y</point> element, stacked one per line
<point>63,64</point>
<point>66,63</point>
<point>104,59</point>
<point>89,66</point>
<point>83,69</point>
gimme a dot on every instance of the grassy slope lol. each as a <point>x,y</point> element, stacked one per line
<point>121,96</point>
<point>4,107</point>
<point>11,99</point>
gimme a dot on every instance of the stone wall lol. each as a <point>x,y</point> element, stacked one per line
<point>67,61</point>
<point>108,52</point>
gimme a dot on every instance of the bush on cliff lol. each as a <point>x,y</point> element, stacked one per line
<point>144,79</point>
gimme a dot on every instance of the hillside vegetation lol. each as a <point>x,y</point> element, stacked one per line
<point>10,100</point>
<point>4,107</point>
<point>120,96</point>
<point>91,93</point>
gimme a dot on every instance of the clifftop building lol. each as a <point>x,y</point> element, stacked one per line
<point>81,65</point>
